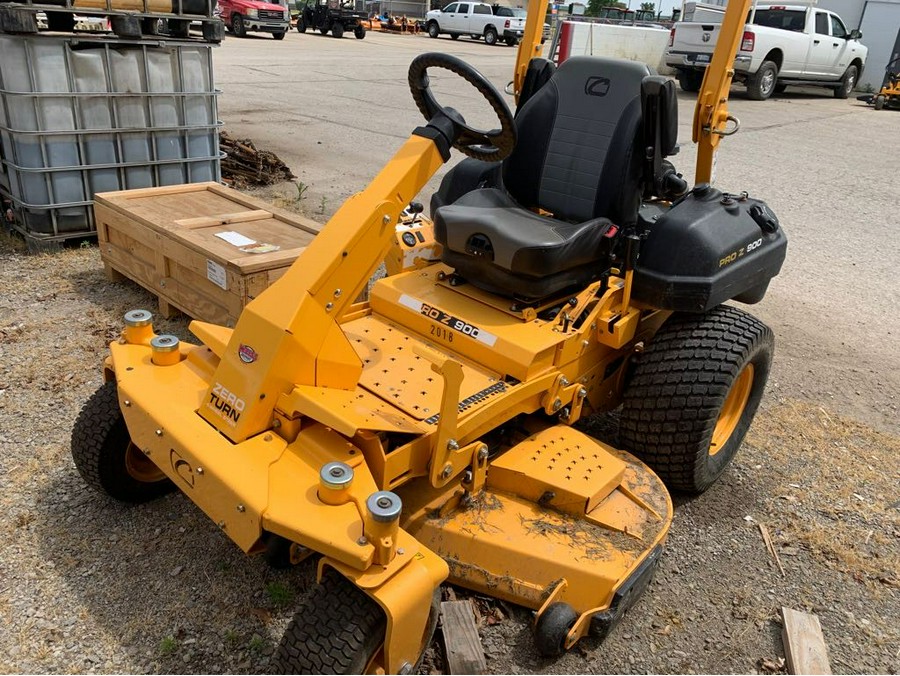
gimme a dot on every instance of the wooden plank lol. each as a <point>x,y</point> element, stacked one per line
<point>462,644</point>
<point>224,219</point>
<point>137,193</point>
<point>304,223</point>
<point>804,645</point>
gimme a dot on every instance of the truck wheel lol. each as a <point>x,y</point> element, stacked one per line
<point>761,85</point>
<point>359,32</point>
<point>690,80</point>
<point>105,457</point>
<point>279,36</point>
<point>848,83</point>
<point>694,393</point>
<point>301,25</point>
<point>880,100</point>
<point>237,25</point>
<point>490,35</point>
<point>433,29</point>
<point>511,42</point>
<point>337,30</point>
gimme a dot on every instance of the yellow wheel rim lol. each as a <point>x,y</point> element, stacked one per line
<point>732,409</point>
<point>140,467</point>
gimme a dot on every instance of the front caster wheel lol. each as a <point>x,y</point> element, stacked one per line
<point>105,457</point>
<point>552,628</point>
<point>694,393</point>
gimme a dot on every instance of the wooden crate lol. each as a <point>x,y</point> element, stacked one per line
<point>165,240</point>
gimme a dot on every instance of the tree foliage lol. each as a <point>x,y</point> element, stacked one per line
<point>594,6</point>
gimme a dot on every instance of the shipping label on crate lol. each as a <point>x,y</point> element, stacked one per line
<point>216,274</point>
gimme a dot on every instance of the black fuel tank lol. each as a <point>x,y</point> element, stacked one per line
<point>708,248</point>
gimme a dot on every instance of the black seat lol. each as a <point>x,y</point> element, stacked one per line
<point>579,158</point>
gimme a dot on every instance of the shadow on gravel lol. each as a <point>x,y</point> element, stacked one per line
<point>122,296</point>
<point>163,582</point>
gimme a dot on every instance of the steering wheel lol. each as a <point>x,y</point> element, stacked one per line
<point>489,146</point>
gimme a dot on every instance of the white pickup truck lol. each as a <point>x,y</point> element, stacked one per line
<point>782,45</point>
<point>477,19</point>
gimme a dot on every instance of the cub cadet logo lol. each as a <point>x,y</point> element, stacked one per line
<point>182,468</point>
<point>705,37</point>
<point>596,86</point>
<point>247,354</point>
<point>226,403</point>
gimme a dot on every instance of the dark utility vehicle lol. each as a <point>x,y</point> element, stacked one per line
<point>330,15</point>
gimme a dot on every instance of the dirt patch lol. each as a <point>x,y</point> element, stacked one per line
<point>90,585</point>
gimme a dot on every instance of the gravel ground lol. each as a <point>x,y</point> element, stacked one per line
<point>88,585</point>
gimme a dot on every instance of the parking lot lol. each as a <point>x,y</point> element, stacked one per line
<point>92,586</point>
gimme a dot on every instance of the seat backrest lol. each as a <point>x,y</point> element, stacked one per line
<point>578,153</point>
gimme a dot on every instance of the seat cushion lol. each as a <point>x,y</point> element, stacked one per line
<point>489,225</point>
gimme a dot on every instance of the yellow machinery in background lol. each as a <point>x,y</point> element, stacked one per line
<point>889,94</point>
<point>428,433</point>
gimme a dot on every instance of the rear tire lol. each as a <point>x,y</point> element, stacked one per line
<point>848,83</point>
<point>359,32</point>
<point>690,80</point>
<point>105,457</point>
<point>761,85</point>
<point>490,36</point>
<point>694,393</point>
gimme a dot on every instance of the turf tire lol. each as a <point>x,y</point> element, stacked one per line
<point>679,386</point>
<point>337,630</point>
<point>100,445</point>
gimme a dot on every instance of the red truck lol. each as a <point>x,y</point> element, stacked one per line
<point>243,16</point>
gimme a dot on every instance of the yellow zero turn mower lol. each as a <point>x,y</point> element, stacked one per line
<point>426,435</point>
<point>889,94</point>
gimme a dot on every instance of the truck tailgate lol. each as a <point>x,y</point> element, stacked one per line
<point>689,39</point>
